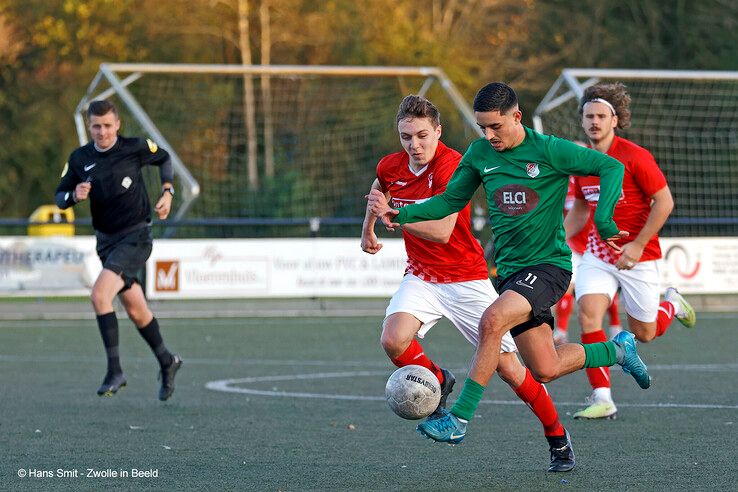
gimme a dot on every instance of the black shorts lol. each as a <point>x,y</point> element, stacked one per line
<point>125,253</point>
<point>543,286</point>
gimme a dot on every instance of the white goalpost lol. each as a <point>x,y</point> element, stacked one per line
<point>689,122</point>
<point>297,147</point>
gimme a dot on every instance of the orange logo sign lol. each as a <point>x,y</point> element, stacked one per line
<point>167,276</point>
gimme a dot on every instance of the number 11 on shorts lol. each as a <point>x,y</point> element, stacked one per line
<point>530,279</point>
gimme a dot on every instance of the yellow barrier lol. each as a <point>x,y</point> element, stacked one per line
<point>56,222</point>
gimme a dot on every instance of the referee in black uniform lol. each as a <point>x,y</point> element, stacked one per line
<point>108,172</point>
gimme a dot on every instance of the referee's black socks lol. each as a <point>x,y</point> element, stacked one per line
<point>108,325</point>
<point>151,334</point>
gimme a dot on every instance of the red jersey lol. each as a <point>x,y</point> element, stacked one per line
<point>641,181</point>
<point>459,260</point>
<point>578,243</point>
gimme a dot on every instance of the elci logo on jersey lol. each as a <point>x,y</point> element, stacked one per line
<point>514,199</point>
<point>532,169</point>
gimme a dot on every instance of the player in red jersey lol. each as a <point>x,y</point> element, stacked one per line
<point>565,306</point>
<point>644,205</point>
<point>446,274</point>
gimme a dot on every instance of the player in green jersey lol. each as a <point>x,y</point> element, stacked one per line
<point>525,176</point>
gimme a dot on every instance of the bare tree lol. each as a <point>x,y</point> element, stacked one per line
<point>266,88</point>
<point>248,93</point>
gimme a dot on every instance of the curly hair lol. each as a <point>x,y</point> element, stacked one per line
<point>616,95</point>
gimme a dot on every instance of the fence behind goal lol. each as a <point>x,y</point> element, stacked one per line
<point>689,122</point>
<point>272,151</point>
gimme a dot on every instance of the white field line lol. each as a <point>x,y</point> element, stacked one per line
<point>231,386</point>
<point>205,361</point>
<point>227,315</point>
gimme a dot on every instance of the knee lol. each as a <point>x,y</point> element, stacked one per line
<point>99,300</point>
<point>644,336</point>
<point>588,321</point>
<point>491,323</point>
<point>392,343</point>
<point>543,374</point>
<point>140,315</point>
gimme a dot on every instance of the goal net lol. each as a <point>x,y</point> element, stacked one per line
<point>687,119</point>
<point>272,151</point>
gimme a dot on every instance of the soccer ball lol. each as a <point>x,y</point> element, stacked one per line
<point>413,392</point>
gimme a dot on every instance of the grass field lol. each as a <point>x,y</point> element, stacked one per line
<point>307,413</point>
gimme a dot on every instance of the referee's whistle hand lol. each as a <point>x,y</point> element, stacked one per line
<point>82,191</point>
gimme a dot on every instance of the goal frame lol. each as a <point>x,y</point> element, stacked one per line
<point>121,75</point>
<point>573,82</point>
<point>569,85</point>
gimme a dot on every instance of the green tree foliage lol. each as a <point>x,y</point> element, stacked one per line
<point>57,48</point>
<point>679,34</point>
<point>50,50</point>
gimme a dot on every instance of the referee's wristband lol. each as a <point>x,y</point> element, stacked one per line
<point>71,197</point>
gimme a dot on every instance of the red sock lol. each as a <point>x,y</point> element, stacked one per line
<point>663,320</point>
<point>599,377</point>
<point>534,394</point>
<point>612,311</point>
<point>563,311</point>
<point>414,355</point>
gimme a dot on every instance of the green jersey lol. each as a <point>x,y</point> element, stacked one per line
<point>526,189</point>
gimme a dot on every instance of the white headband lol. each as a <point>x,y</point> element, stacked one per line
<point>606,103</point>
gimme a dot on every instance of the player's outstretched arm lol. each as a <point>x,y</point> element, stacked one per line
<point>580,161</point>
<point>438,231</point>
<point>369,241</point>
<point>378,205</point>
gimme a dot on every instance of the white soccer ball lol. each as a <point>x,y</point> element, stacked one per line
<point>413,392</point>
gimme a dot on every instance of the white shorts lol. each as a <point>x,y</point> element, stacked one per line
<point>576,259</point>
<point>462,303</point>
<point>640,286</point>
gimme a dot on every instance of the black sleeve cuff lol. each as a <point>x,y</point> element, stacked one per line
<point>64,199</point>
<point>166,172</point>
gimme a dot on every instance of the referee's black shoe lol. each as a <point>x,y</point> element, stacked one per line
<point>562,454</point>
<point>111,384</point>
<point>167,377</point>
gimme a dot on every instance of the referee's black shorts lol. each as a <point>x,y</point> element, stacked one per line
<point>542,285</point>
<point>125,253</point>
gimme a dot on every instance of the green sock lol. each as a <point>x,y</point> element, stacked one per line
<point>600,354</point>
<point>469,399</point>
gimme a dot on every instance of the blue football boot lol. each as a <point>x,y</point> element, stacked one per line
<point>448,428</point>
<point>631,363</point>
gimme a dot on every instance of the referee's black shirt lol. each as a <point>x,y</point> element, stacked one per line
<point>118,197</point>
